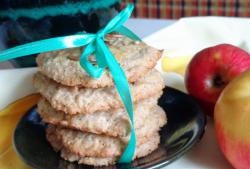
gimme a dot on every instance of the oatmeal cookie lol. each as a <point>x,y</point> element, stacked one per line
<point>136,59</point>
<point>74,100</point>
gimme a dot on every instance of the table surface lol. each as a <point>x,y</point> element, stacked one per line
<point>204,155</point>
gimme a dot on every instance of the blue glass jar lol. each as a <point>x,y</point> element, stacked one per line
<point>23,21</point>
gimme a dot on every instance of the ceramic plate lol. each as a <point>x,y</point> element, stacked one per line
<point>186,124</point>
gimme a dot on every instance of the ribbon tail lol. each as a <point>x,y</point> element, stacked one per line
<point>125,31</point>
<point>93,71</point>
<point>129,151</point>
<point>46,46</point>
<point>123,89</point>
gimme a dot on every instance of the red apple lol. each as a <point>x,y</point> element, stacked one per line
<point>232,121</point>
<point>211,69</point>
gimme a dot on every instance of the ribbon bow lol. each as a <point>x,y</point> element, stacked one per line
<point>94,45</point>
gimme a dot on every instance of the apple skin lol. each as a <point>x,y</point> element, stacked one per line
<point>211,69</point>
<point>232,121</point>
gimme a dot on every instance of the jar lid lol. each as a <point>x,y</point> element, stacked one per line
<point>37,9</point>
<point>14,4</point>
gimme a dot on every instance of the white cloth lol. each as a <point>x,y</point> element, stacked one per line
<point>15,84</point>
<point>189,35</point>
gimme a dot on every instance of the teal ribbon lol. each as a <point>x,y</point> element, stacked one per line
<point>105,59</point>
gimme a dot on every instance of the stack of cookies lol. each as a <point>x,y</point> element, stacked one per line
<point>86,118</point>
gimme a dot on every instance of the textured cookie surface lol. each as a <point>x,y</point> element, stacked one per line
<point>93,145</point>
<point>75,100</point>
<point>141,150</point>
<point>135,58</point>
<point>113,122</point>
